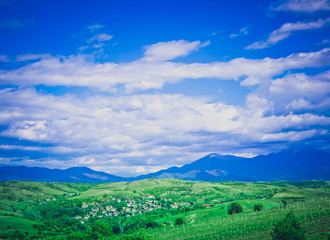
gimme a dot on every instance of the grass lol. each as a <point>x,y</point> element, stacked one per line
<point>314,215</point>
<point>9,225</point>
<point>309,200</point>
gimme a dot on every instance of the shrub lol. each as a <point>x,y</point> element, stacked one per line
<point>234,208</point>
<point>288,229</point>
<point>179,221</point>
<point>258,207</point>
<point>152,224</point>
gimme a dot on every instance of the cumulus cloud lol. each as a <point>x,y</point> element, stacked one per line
<point>286,30</point>
<point>299,91</point>
<point>105,131</point>
<point>102,37</point>
<point>81,70</point>
<point>303,6</point>
<point>164,51</point>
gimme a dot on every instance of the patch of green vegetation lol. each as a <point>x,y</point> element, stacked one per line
<point>11,227</point>
<point>150,209</point>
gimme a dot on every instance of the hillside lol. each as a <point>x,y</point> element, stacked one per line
<point>39,210</point>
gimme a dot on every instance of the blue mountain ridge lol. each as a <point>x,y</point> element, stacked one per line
<point>290,164</point>
<point>75,174</point>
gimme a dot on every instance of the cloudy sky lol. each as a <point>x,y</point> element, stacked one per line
<point>132,87</point>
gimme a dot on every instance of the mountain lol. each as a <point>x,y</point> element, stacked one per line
<point>290,164</point>
<point>75,174</point>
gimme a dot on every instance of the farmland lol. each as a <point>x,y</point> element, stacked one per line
<point>149,209</point>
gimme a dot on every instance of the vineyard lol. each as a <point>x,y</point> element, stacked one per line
<point>160,209</point>
<point>313,214</point>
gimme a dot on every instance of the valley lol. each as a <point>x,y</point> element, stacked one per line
<point>150,209</point>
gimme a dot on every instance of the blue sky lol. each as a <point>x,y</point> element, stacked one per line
<point>132,87</point>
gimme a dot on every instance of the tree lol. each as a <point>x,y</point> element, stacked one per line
<point>258,207</point>
<point>284,202</point>
<point>103,228</point>
<point>179,221</point>
<point>288,229</point>
<point>234,208</point>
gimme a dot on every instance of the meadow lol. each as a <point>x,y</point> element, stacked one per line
<point>150,209</point>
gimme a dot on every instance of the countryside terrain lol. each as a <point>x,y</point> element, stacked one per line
<point>160,209</point>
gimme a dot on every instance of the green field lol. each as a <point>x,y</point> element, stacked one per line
<point>149,209</point>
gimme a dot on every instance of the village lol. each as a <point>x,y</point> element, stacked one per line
<point>127,207</point>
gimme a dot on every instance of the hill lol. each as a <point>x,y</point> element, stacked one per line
<point>290,164</point>
<point>148,209</point>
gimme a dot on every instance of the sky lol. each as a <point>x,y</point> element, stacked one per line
<point>132,87</point>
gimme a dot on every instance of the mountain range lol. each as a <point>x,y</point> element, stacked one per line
<point>75,174</point>
<point>290,164</point>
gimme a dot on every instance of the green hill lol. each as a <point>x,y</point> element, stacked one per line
<point>149,209</point>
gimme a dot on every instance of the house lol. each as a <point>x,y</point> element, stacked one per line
<point>94,210</point>
<point>208,205</point>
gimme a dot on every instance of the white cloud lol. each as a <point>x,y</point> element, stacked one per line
<point>164,51</point>
<point>242,31</point>
<point>142,133</point>
<point>30,130</point>
<point>81,70</point>
<point>299,91</point>
<point>324,42</point>
<point>106,130</point>
<point>14,147</point>
<point>286,30</point>
<point>303,6</point>
<point>95,27</point>
<point>26,57</point>
<point>4,58</point>
<point>103,37</point>
<point>289,136</point>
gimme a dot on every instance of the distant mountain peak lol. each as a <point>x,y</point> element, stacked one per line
<point>73,174</point>
<point>289,164</point>
<point>79,168</point>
